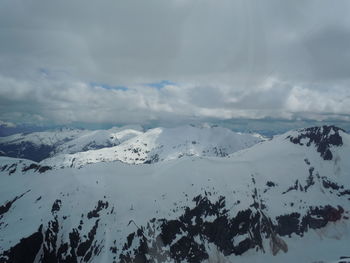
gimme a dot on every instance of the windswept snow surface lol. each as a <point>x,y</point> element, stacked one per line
<point>163,144</point>
<point>277,197</point>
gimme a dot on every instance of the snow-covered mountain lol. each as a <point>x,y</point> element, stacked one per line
<point>161,144</point>
<point>92,140</point>
<point>37,146</point>
<point>281,200</point>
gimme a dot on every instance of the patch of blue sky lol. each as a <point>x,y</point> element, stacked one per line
<point>160,84</point>
<point>53,74</point>
<point>109,87</point>
<point>44,71</point>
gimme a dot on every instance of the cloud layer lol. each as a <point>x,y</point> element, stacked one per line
<point>225,59</point>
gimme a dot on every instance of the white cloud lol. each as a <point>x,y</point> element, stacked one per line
<point>66,100</point>
<point>333,101</point>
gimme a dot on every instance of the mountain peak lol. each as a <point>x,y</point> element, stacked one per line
<point>323,137</point>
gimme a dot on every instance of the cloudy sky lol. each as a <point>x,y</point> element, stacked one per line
<point>177,60</point>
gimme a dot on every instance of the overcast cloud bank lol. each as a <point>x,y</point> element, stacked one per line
<point>134,62</point>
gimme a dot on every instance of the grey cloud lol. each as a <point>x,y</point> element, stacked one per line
<point>329,52</point>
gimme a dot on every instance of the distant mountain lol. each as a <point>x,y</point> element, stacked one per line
<point>281,200</point>
<point>37,146</point>
<point>8,128</point>
<point>162,144</point>
<point>73,147</point>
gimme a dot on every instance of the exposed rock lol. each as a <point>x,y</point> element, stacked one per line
<point>95,213</point>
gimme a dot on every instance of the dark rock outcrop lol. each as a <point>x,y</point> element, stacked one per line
<point>6,207</point>
<point>322,137</point>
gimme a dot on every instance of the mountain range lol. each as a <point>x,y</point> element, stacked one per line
<point>185,194</point>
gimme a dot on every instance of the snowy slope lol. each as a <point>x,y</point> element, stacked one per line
<point>161,144</point>
<point>278,201</point>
